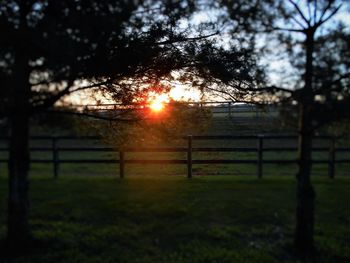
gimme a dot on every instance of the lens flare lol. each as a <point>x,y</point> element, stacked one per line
<point>157,102</point>
<point>156,105</point>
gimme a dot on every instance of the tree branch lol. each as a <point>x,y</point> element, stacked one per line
<point>49,102</point>
<point>94,85</point>
<point>300,12</point>
<point>322,21</point>
<point>325,11</point>
<point>272,89</point>
<point>189,39</point>
<point>289,29</point>
<point>315,11</point>
<point>339,79</point>
<point>325,114</point>
<point>299,23</point>
<point>309,10</point>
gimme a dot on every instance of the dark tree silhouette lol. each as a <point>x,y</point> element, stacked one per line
<point>49,49</point>
<point>321,92</point>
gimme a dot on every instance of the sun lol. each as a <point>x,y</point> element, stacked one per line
<point>157,102</point>
<point>156,105</point>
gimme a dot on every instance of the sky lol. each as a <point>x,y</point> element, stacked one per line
<point>178,92</point>
<point>274,64</point>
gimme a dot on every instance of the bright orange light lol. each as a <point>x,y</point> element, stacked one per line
<point>156,105</point>
<point>157,102</point>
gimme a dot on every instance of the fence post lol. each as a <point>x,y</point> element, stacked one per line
<point>229,110</point>
<point>331,162</point>
<point>55,157</point>
<point>260,156</point>
<point>121,164</point>
<point>189,156</point>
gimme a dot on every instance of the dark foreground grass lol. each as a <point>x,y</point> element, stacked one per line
<point>173,219</point>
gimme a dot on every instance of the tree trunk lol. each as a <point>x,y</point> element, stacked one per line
<point>18,229</point>
<point>304,231</point>
<point>18,232</point>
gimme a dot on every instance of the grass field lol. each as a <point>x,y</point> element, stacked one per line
<point>173,219</point>
<point>156,215</point>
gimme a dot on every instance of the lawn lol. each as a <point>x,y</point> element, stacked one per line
<point>174,219</point>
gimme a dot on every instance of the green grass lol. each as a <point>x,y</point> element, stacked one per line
<point>173,219</point>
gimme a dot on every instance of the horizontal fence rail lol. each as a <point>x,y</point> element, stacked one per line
<point>55,149</point>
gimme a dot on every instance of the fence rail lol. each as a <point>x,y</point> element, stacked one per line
<point>55,149</point>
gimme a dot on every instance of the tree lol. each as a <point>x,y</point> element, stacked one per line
<point>50,49</point>
<point>322,87</point>
<point>309,97</point>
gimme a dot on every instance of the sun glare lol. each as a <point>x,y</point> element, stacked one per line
<point>157,102</point>
<point>157,105</point>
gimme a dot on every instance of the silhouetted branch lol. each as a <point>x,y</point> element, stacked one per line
<point>315,11</point>
<point>327,113</point>
<point>266,89</point>
<point>325,10</point>
<point>341,77</point>
<point>309,10</point>
<point>94,85</point>
<point>189,39</point>
<point>299,23</point>
<point>49,102</point>
<point>228,95</point>
<point>328,85</point>
<point>329,16</point>
<point>300,12</point>
<point>289,29</point>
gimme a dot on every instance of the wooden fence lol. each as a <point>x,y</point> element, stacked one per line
<point>260,149</point>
